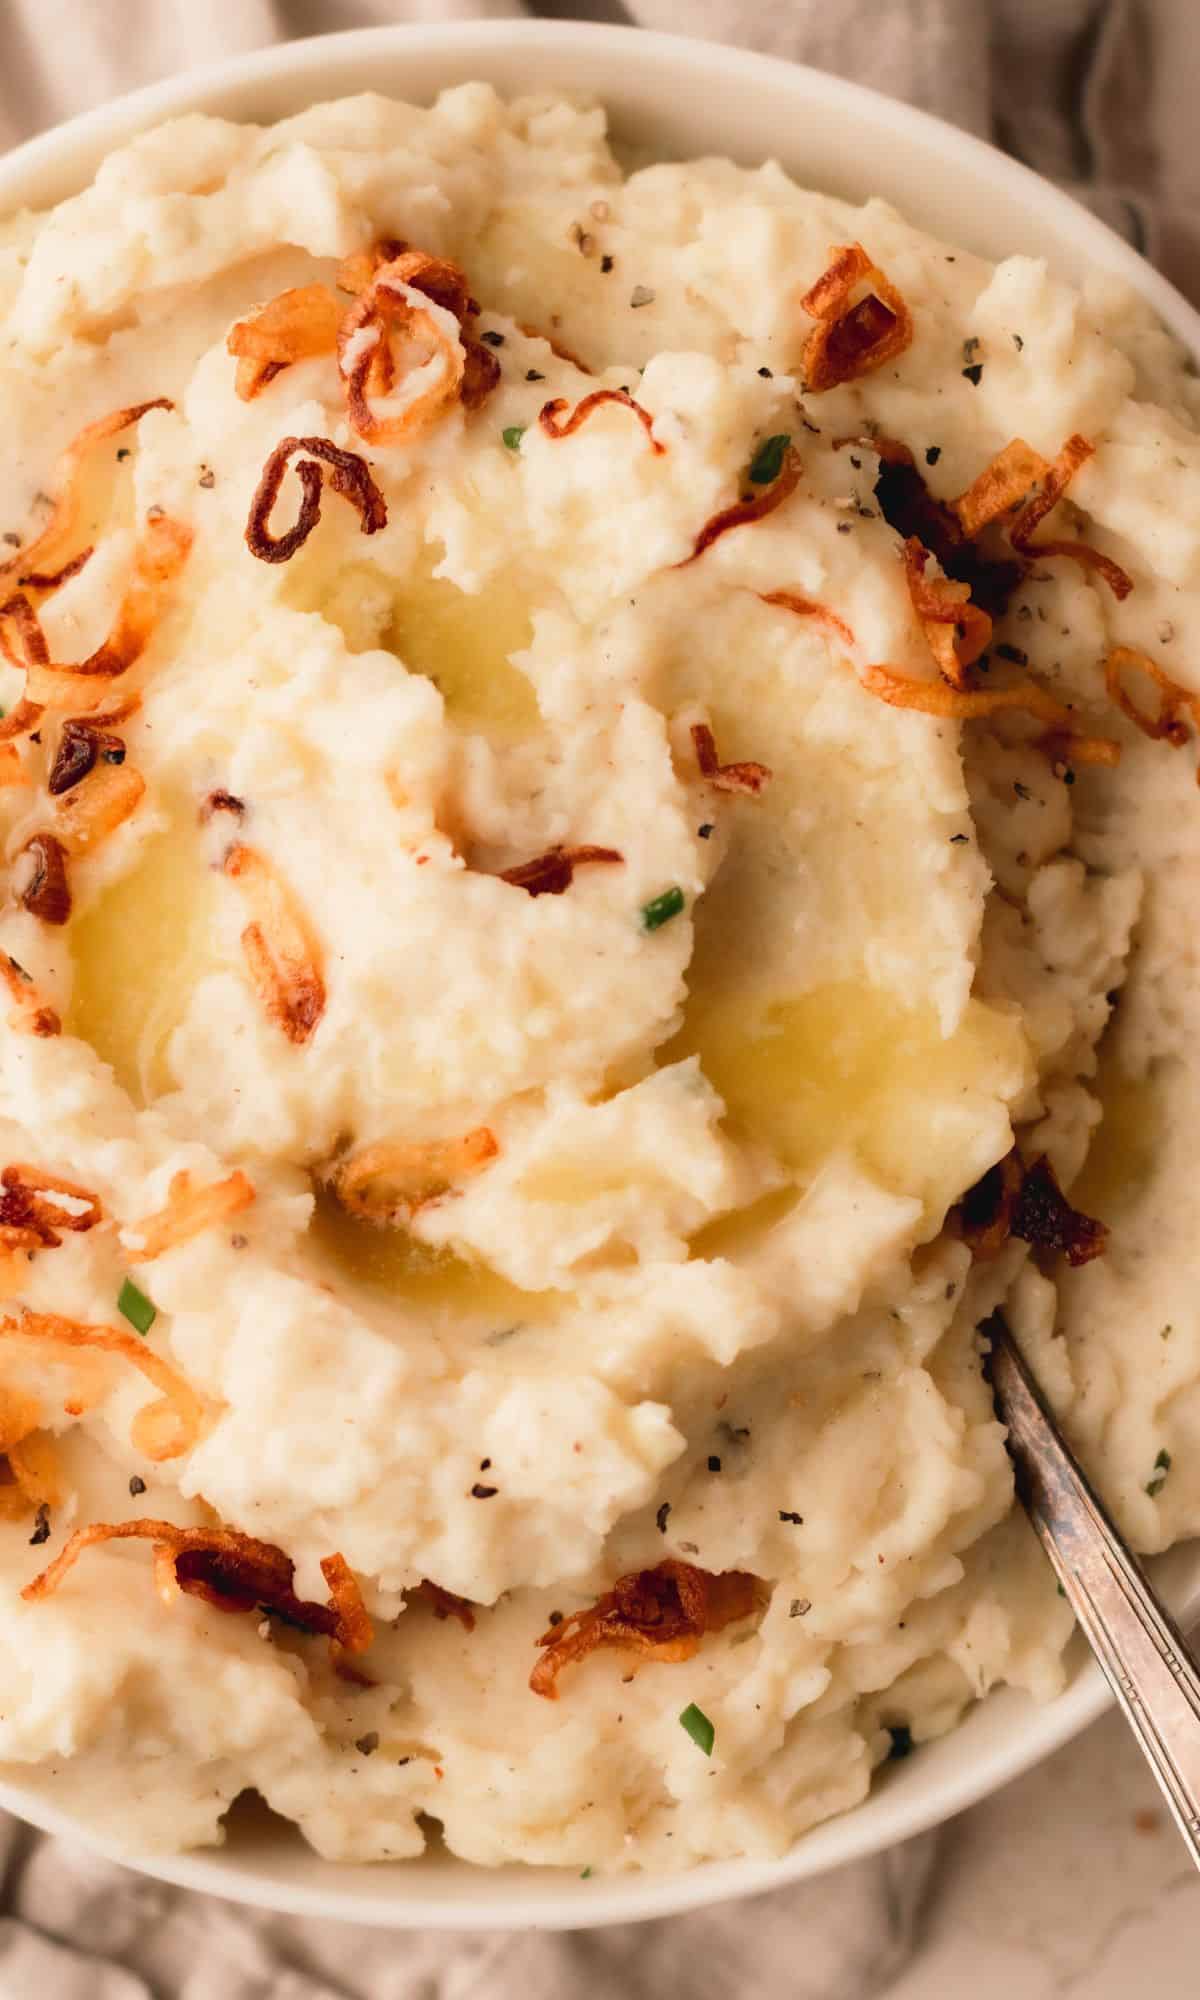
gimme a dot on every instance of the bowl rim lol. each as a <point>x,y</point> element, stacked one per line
<point>70,152</point>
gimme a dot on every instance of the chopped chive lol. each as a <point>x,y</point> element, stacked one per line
<point>660,909</point>
<point>512,435</point>
<point>699,1728</point>
<point>585,1872</point>
<point>902,1743</point>
<point>140,1311</point>
<point>1162,1465</point>
<point>767,463</point>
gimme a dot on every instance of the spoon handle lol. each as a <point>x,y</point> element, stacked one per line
<point>1144,1655</point>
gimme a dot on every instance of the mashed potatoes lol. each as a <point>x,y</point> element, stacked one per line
<point>534,991</point>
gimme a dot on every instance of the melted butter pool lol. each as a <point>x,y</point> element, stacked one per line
<point>138,953</point>
<point>845,1066</point>
<point>397,1265</point>
<point>463,644</point>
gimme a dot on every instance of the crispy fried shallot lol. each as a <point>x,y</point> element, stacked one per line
<point>188,1210</point>
<point>385,314</point>
<point>963,704</point>
<point>163,1429</point>
<point>852,340</point>
<point>346,473</point>
<point>234,1572</point>
<point>443,1603</point>
<point>754,507</point>
<point>47,893</point>
<point>551,873</point>
<point>1166,725</point>
<point>908,506</point>
<point>159,554</point>
<point>30,1474</point>
<point>24,644</point>
<point>31,1216</point>
<point>222,801</point>
<point>80,743</point>
<point>1045,1218</point>
<point>296,325</point>
<point>984,1215</point>
<point>998,488</point>
<point>356,271</point>
<point>555,425</point>
<point>31,1480</point>
<point>1012,1199</point>
<point>748,778</point>
<point>34,562</point>
<point>30,1015</point>
<point>1064,748</point>
<point>389,1182</point>
<point>354,1631</point>
<point>807,607</point>
<point>96,807</point>
<point>282,952</point>
<point>662,1612</point>
<point>957,631</point>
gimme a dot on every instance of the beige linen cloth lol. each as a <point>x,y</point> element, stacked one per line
<point>1099,94</point>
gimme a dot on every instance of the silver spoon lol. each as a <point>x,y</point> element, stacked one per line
<point>1143,1654</point>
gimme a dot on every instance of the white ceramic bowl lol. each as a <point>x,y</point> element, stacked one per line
<point>675,98</point>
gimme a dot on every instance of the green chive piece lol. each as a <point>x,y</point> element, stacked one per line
<point>585,1872</point>
<point>699,1728</point>
<point>512,435</point>
<point>1162,1465</point>
<point>902,1743</point>
<point>140,1311</point>
<point>660,909</point>
<point>767,463</point>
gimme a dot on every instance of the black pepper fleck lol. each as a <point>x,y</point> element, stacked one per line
<point>479,1492</point>
<point>660,1519</point>
<point>974,374</point>
<point>368,1744</point>
<point>123,454</point>
<point>714,1463</point>
<point>534,375</point>
<point>485,1465</point>
<point>606,263</point>
<point>136,1486</point>
<point>1018,343</point>
<point>493,339</point>
<point>798,1519</point>
<point>933,454</point>
<point>705,832</point>
<point>1013,653</point>
<point>1022,791</point>
<point>41,1532</point>
<point>957,839</point>
<point>556,1618</point>
<point>208,478</point>
<point>798,1607</point>
<point>843,527</point>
